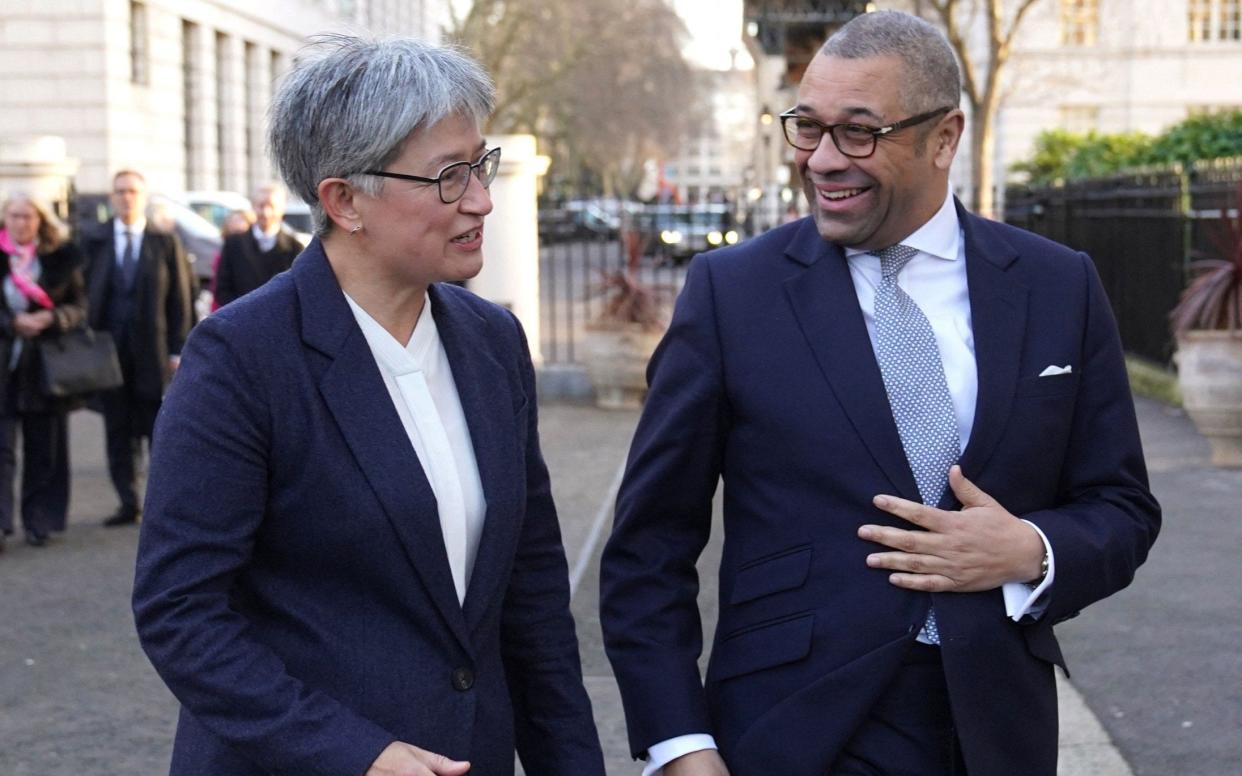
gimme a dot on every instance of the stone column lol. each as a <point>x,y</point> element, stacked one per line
<point>258,89</point>
<point>510,275</point>
<point>203,165</point>
<point>232,101</point>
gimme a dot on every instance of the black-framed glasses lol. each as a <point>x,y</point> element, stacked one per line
<point>454,179</point>
<point>856,141</point>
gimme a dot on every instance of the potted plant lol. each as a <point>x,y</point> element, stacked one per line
<point>1207,323</point>
<point>618,342</point>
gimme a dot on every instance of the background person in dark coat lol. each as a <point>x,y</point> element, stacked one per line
<point>253,257</point>
<point>350,561</point>
<point>43,295</point>
<point>926,466</point>
<point>138,282</point>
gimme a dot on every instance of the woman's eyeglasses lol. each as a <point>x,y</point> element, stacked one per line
<point>454,179</point>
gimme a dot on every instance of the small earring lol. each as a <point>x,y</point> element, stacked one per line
<point>356,229</point>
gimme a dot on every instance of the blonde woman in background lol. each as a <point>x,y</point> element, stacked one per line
<point>43,295</point>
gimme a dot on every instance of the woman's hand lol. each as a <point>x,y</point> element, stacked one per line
<point>31,325</point>
<point>401,759</point>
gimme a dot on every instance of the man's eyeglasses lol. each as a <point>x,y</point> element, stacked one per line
<point>454,179</point>
<point>856,141</point>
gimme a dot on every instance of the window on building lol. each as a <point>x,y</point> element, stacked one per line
<point>1211,20</point>
<point>139,45</point>
<point>248,86</point>
<point>1080,118</point>
<point>189,95</point>
<point>276,68</point>
<point>1080,22</point>
<point>1230,20</point>
<point>221,52</point>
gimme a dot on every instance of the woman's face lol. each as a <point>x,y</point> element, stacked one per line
<point>21,221</point>
<point>415,238</point>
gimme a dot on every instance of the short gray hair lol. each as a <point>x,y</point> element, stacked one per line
<point>933,79</point>
<point>349,104</point>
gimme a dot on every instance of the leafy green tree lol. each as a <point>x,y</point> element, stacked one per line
<point>1101,155</point>
<point>1207,136</point>
<point>1062,155</point>
<point>1051,158</point>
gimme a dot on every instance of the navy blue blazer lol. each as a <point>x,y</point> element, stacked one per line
<point>768,380</point>
<point>292,586</point>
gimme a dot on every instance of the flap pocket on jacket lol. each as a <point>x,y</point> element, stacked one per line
<point>763,645</point>
<point>771,574</point>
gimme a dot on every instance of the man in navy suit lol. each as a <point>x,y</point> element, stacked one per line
<point>138,282</point>
<point>351,562</point>
<point>929,454</point>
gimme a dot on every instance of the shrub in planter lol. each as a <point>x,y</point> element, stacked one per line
<point>1207,323</point>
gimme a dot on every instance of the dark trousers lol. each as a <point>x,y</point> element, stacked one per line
<point>45,470</point>
<point>127,420</point>
<point>909,731</point>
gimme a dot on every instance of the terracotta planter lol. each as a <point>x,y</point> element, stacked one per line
<point>1209,370</point>
<point>615,357</point>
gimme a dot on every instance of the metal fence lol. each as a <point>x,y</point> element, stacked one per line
<point>571,279</point>
<point>1142,230</point>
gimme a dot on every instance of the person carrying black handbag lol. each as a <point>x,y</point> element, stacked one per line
<point>42,295</point>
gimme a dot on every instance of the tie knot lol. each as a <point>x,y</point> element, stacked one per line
<point>893,258</point>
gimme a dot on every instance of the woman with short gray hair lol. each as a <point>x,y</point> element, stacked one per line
<point>350,561</point>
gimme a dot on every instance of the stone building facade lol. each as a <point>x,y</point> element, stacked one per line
<point>175,88</point>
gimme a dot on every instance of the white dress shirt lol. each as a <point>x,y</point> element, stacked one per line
<point>420,384</point>
<point>119,231</point>
<point>936,280</point>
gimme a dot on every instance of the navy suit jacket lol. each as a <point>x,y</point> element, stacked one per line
<point>767,379</point>
<point>293,588</point>
<point>163,309</point>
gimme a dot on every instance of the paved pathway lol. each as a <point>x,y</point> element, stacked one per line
<point>1158,664</point>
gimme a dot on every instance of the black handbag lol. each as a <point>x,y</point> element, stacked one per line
<point>79,362</point>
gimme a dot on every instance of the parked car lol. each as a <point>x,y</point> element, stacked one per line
<point>579,220</point>
<point>680,231</point>
<point>215,206</point>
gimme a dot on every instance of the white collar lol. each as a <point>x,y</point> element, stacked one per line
<point>415,355</point>
<point>261,235</point>
<point>119,228</point>
<point>939,237</point>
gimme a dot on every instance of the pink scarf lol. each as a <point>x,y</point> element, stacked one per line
<point>20,270</point>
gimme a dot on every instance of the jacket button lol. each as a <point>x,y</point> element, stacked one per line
<point>463,679</point>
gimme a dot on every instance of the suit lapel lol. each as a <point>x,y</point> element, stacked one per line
<point>355,393</point>
<point>998,319</point>
<point>486,400</point>
<point>826,306</point>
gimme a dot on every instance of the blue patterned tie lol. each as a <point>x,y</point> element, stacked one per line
<point>917,390</point>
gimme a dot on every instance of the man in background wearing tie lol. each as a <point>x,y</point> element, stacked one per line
<point>250,259</point>
<point>929,454</point>
<point>139,290</point>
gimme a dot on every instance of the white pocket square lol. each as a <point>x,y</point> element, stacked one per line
<point>1053,370</point>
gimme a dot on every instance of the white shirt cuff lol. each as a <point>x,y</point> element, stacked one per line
<point>1020,598</point>
<point>663,753</point>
